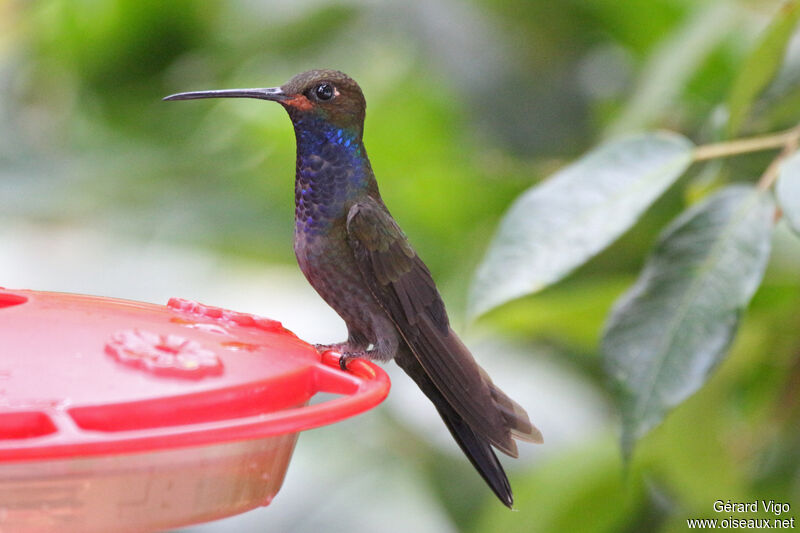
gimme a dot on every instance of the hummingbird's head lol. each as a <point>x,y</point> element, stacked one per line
<point>329,95</point>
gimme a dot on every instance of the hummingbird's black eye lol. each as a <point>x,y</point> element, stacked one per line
<point>324,91</point>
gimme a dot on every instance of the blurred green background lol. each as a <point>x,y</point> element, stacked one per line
<point>104,189</point>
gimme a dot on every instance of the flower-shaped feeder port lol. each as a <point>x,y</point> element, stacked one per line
<point>117,414</point>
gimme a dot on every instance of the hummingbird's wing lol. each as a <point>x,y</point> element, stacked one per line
<point>403,286</point>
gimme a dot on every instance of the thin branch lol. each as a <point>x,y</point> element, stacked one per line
<point>773,170</point>
<point>743,146</point>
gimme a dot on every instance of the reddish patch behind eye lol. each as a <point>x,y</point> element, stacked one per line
<point>299,102</point>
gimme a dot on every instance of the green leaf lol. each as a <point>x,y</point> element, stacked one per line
<point>761,65</point>
<point>787,191</point>
<point>557,225</point>
<point>668,332</point>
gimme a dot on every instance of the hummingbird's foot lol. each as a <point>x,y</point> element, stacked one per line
<point>340,347</point>
<point>344,350</point>
<point>347,356</point>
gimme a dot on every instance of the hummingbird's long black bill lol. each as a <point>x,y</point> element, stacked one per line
<point>272,93</point>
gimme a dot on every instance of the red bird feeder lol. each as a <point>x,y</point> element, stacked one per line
<point>124,415</point>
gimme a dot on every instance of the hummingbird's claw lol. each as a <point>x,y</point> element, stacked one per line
<point>339,348</point>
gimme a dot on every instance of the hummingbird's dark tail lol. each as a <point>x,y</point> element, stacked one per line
<point>479,453</point>
<point>475,447</point>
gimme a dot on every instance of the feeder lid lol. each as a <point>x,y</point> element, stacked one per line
<point>82,375</point>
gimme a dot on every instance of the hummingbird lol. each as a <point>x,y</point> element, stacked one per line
<point>360,262</point>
